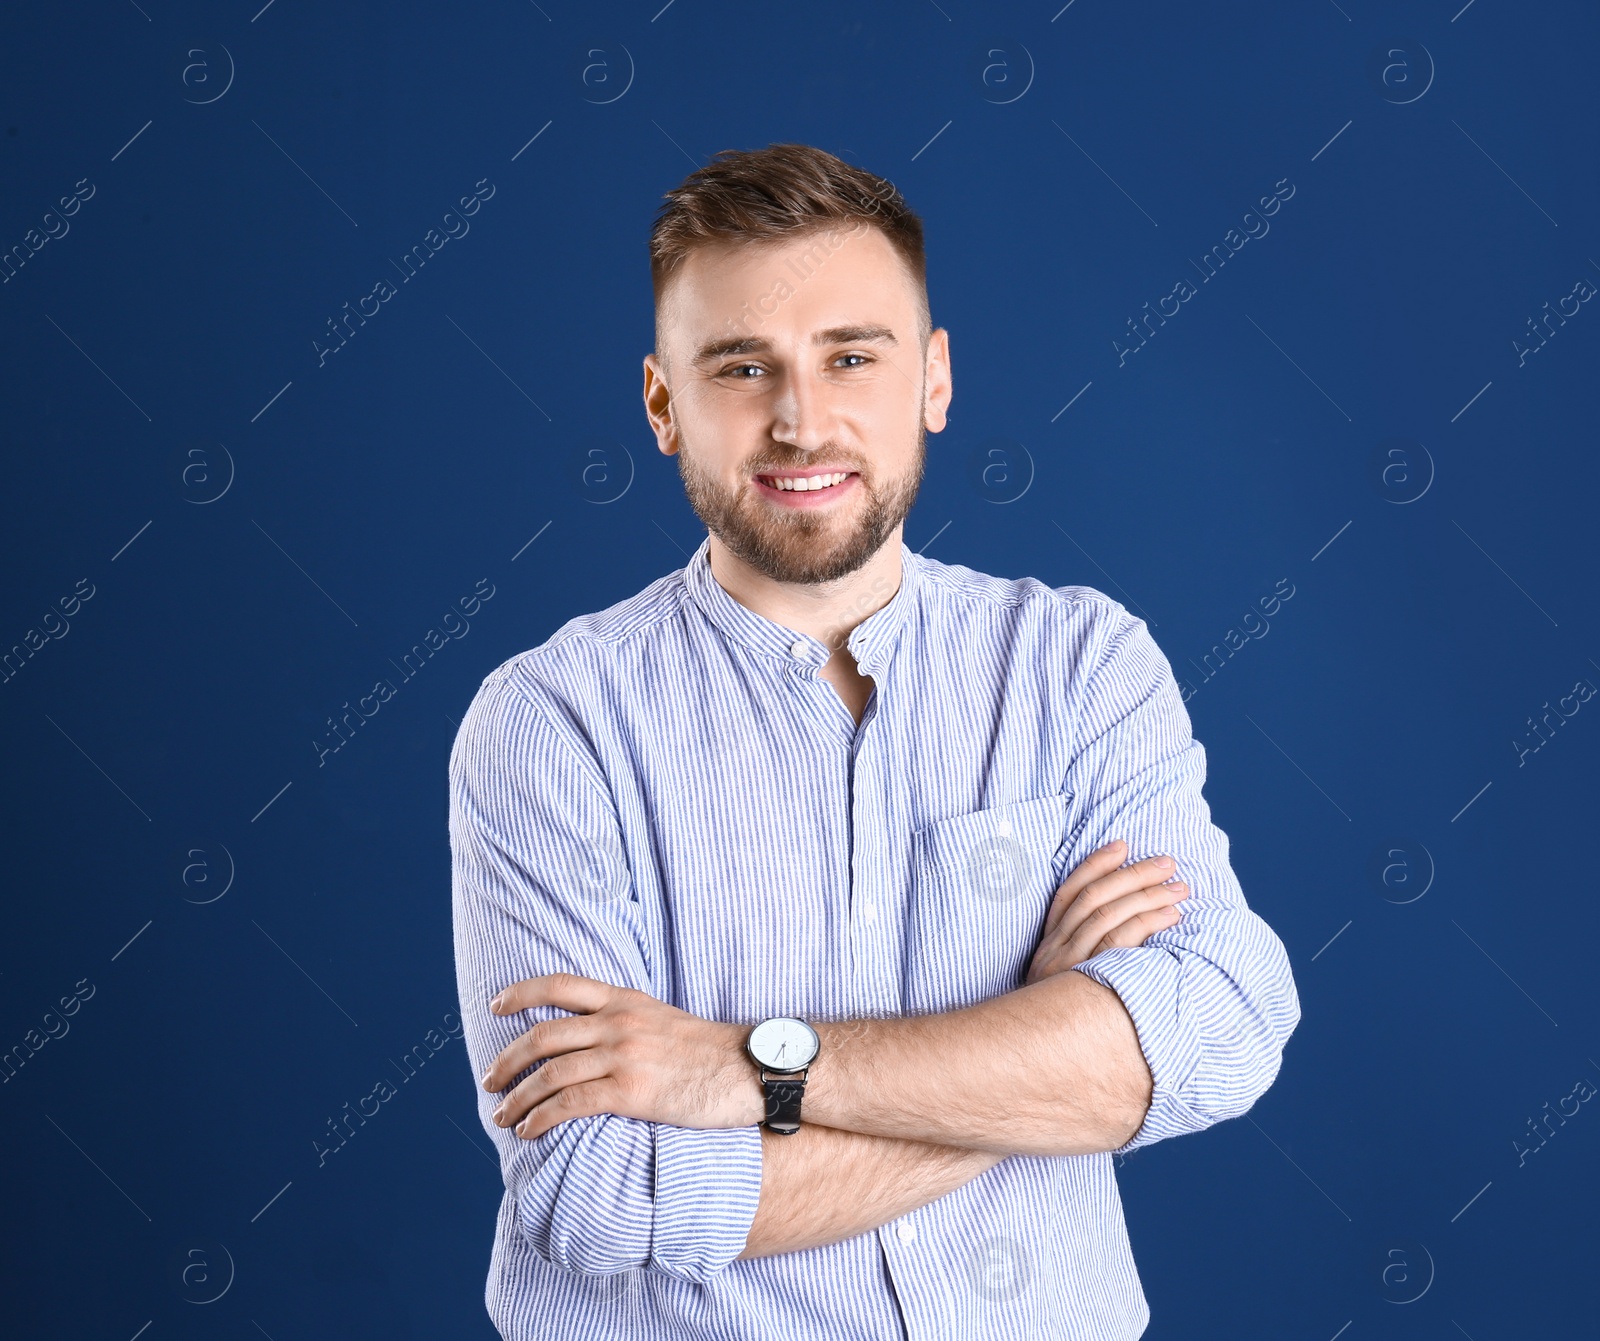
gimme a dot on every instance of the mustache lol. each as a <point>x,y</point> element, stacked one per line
<point>846,460</point>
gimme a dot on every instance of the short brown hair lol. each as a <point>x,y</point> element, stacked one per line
<point>781,192</point>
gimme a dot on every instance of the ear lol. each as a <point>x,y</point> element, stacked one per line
<point>936,374</point>
<point>658,406</point>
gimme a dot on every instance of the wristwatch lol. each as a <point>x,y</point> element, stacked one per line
<point>783,1048</point>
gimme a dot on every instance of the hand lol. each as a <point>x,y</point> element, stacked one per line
<point>1101,905</point>
<point>624,1053</point>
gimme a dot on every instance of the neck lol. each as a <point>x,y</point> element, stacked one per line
<point>826,611</point>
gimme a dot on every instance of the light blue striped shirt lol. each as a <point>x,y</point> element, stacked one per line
<point>666,795</point>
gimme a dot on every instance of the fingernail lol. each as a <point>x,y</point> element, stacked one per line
<point>1163,862</point>
<point>497,1002</point>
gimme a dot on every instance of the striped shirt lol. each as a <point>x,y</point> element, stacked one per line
<point>668,796</point>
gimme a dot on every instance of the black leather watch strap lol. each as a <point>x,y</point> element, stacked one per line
<point>783,1096</point>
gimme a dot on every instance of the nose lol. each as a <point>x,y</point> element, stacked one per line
<point>800,413</point>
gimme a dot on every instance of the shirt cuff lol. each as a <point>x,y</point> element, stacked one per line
<point>708,1184</point>
<point>1148,979</point>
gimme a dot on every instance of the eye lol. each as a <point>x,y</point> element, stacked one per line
<point>738,367</point>
<point>864,358</point>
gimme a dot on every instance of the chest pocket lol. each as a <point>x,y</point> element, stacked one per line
<point>982,885</point>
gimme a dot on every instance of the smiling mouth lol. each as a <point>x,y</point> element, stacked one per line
<point>806,483</point>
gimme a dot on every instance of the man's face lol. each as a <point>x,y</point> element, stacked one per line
<point>798,363</point>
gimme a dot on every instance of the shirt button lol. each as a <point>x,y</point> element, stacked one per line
<point>798,650</point>
<point>869,914</point>
<point>907,1231</point>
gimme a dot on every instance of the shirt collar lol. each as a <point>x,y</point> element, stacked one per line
<point>871,642</point>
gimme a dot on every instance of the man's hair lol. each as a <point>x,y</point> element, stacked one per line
<point>781,192</point>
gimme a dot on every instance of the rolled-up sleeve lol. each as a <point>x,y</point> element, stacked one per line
<point>541,884</point>
<point>1212,997</point>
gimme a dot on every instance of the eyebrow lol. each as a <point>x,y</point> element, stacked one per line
<point>834,335</point>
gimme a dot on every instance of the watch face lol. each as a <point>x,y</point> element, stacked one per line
<point>783,1044</point>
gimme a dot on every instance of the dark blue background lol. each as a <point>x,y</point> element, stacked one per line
<point>1436,208</point>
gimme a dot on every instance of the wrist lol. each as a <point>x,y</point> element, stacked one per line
<point>848,1051</point>
<point>745,1080</point>
<point>782,1050</point>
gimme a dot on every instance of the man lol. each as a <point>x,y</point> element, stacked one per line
<point>786,1020</point>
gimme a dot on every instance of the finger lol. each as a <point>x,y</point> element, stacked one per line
<point>1081,884</point>
<point>1141,875</point>
<point>566,990</point>
<point>1092,929</point>
<point>560,1073</point>
<point>1057,956</point>
<point>1102,861</point>
<point>585,1100</point>
<point>1138,929</point>
<point>1095,924</point>
<point>548,1038</point>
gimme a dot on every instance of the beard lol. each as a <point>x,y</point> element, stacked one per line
<point>803,547</point>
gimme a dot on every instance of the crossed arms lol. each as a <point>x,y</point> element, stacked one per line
<point>635,1142</point>
<point>897,1112</point>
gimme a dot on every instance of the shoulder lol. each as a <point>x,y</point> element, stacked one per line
<point>956,591</point>
<point>541,684</point>
<point>585,640</point>
<point>1074,636</point>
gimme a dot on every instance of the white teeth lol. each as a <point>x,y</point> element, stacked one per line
<point>809,482</point>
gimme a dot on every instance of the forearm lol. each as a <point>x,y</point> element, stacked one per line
<point>1053,1068</point>
<point>823,1185</point>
